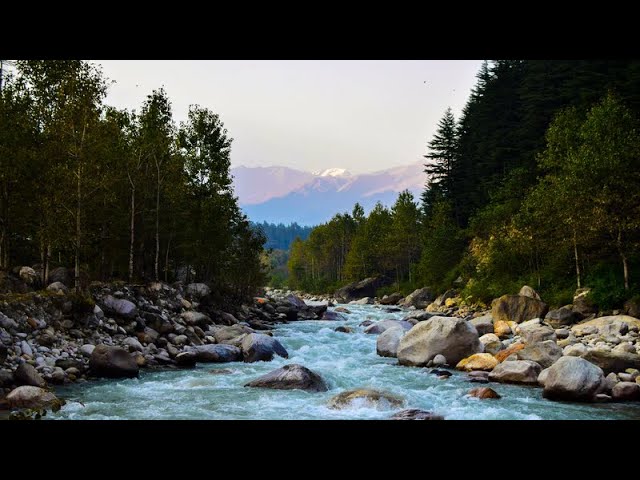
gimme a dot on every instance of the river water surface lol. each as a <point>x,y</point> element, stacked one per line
<point>345,361</point>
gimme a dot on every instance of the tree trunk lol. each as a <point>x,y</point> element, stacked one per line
<point>78,232</point>
<point>166,261</point>
<point>4,230</point>
<point>47,262</point>
<point>157,277</point>
<point>132,229</point>
<point>575,254</point>
<point>625,267</point>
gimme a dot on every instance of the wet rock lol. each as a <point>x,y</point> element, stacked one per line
<point>342,310</point>
<point>217,353</point>
<point>291,377</point>
<point>333,316</point>
<point>439,360</point>
<point>365,323</point>
<point>112,362</point>
<point>483,393</point>
<point>483,324</point>
<point>344,329</point>
<point>626,391</point>
<point>452,337</point>
<point>119,307</point>
<point>440,373</point>
<point>477,361</point>
<point>223,334</point>
<point>517,371</point>
<point>364,397</point>
<point>573,378</point>
<point>415,414</point>
<point>25,374</point>
<point>258,347</point>
<point>33,397</point>
<point>544,353</point>
<point>6,378</point>
<point>186,359</point>
<point>195,318</point>
<point>517,308</point>
<point>388,341</point>
<point>383,325</point>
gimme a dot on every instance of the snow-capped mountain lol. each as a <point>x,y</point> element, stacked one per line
<point>280,194</point>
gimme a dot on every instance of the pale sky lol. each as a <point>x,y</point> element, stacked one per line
<point>313,114</point>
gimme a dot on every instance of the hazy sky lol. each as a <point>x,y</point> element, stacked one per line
<point>310,115</point>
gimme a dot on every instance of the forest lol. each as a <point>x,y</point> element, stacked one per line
<point>117,194</point>
<point>537,182</point>
<point>280,236</point>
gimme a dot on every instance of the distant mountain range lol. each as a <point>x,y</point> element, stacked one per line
<point>282,194</point>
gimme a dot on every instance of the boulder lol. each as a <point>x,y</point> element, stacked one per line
<point>478,361</point>
<point>563,316</point>
<point>33,397</point>
<point>259,347</point>
<point>517,308</point>
<point>632,307</point>
<point>227,318</point>
<point>535,332</point>
<point>502,329</point>
<point>28,275</point>
<point>216,353</point>
<point>626,391</point>
<point>26,374</point>
<point>364,396</point>
<point>290,377</point>
<point>612,361</point>
<point>382,325</point>
<point>196,291</point>
<point>483,393</point>
<point>224,334</point>
<point>195,318</point>
<point>333,316</point>
<point>483,324</point>
<point>419,298</point>
<point>57,287</point>
<point>452,337</point>
<point>388,341</point>
<point>362,301</point>
<point>610,381</point>
<point>611,325</point>
<point>502,355</point>
<point>527,291</point>
<point>112,362</point>
<point>342,310</point>
<point>544,353</point>
<point>62,275</point>
<point>583,302</point>
<point>573,378</point>
<point>344,329</point>
<point>442,299</point>
<point>364,288</point>
<point>187,359</point>
<point>575,350</point>
<point>295,301</point>
<point>415,414</point>
<point>491,342</point>
<point>439,360</point>
<point>420,316</point>
<point>119,307</point>
<point>517,371</point>
<point>133,344</point>
<point>392,299</point>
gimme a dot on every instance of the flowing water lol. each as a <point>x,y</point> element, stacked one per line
<point>345,361</point>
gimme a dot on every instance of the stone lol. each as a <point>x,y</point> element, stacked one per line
<point>223,334</point>
<point>196,291</point>
<point>217,353</point>
<point>392,299</point>
<point>6,378</point>
<point>33,397</point>
<point>483,393</point>
<point>563,333</point>
<point>342,310</point>
<point>366,397</point>
<point>57,376</point>
<point>536,333</point>
<point>112,362</point>
<point>388,341</point>
<point>610,325</point>
<point>415,414</point>
<point>625,347</point>
<point>573,378</point>
<point>502,355</point>
<point>452,337</point>
<point>517,371</point>
<point>332,316</point>
<point>119,307</point>
<point>26,349</point>
<point>610,381</point>
<point>259,347</point>
<point>382,325</point>
<point>544,353</point>
<point>491,342</point>
<point>583,302</point>
<point>26,374</point>
<point>195,318</point>
<point>483,324</point>
<point>343,329</point>
<point>186,359</point>
<point>291,377</point>
<point>228,319</point>
<point>517,308</point>
<point>527,291</point>
<point>362,301</point>
<point>439,360</point>
<point>364,288</point>
<point>419,298</point>
<point>563,316</point>
<point>502,329</point>
<point>58,287</point>
<point>632,307</point>
<point>626,391</point>
<point>87,349</point>
<point>575,350</point>
<point>295,301</point>
<point>610,361</point>
<point>133,344</point>
<point>478,361</point>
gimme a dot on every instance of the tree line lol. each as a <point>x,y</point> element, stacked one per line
<point>537,182</point>
<point>280,236</point>
<point>117,194</point>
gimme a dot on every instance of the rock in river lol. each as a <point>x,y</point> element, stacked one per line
<point>573,378</point>
<point>112,362</point>
<point>452,337</point>
<point>483,393</point>
<point>291,377</point>
<point>478,361</point>
<point>365,396</point>
<point>388,341</point>
<point>624,391</point>
<point>415,414</point>
<point>383,325</point>
<point>218,353</point>
<point>32,397</point>
<point>259,347</point>
<point>25,374</point>
<point>517,371</point>
<point>544,353</point>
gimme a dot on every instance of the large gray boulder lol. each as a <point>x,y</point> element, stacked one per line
<point>533,331</point>
<point>383,325</point>
<point>364,288</point>
<point>452,337</point>
<point>224,334</point>
<point>516,371</point>
<point>612,361</point>
<point>491,343</point>
<point>573,378</point>
<point>626,391</point>
<point>517,308</point>
<point>392,299</point>
<point>388,341</point>
<point>375,398</point>
<point>195,318</point>
<point>196,291</point>
<point>563,316</point>
<point>119,307</point>
<point>544,353</point>
<point>610,325</point>
<point>527,291</point>
<point>419,298</point>
<point>32,397</point>
<point>259,347</point>
<point>290,377</point>
<point>483,324</point>
<point>112,362</point>
<point>26,374</point>
<point>217,353</point>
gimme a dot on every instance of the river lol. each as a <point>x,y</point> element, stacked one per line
<point>345,361</point>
